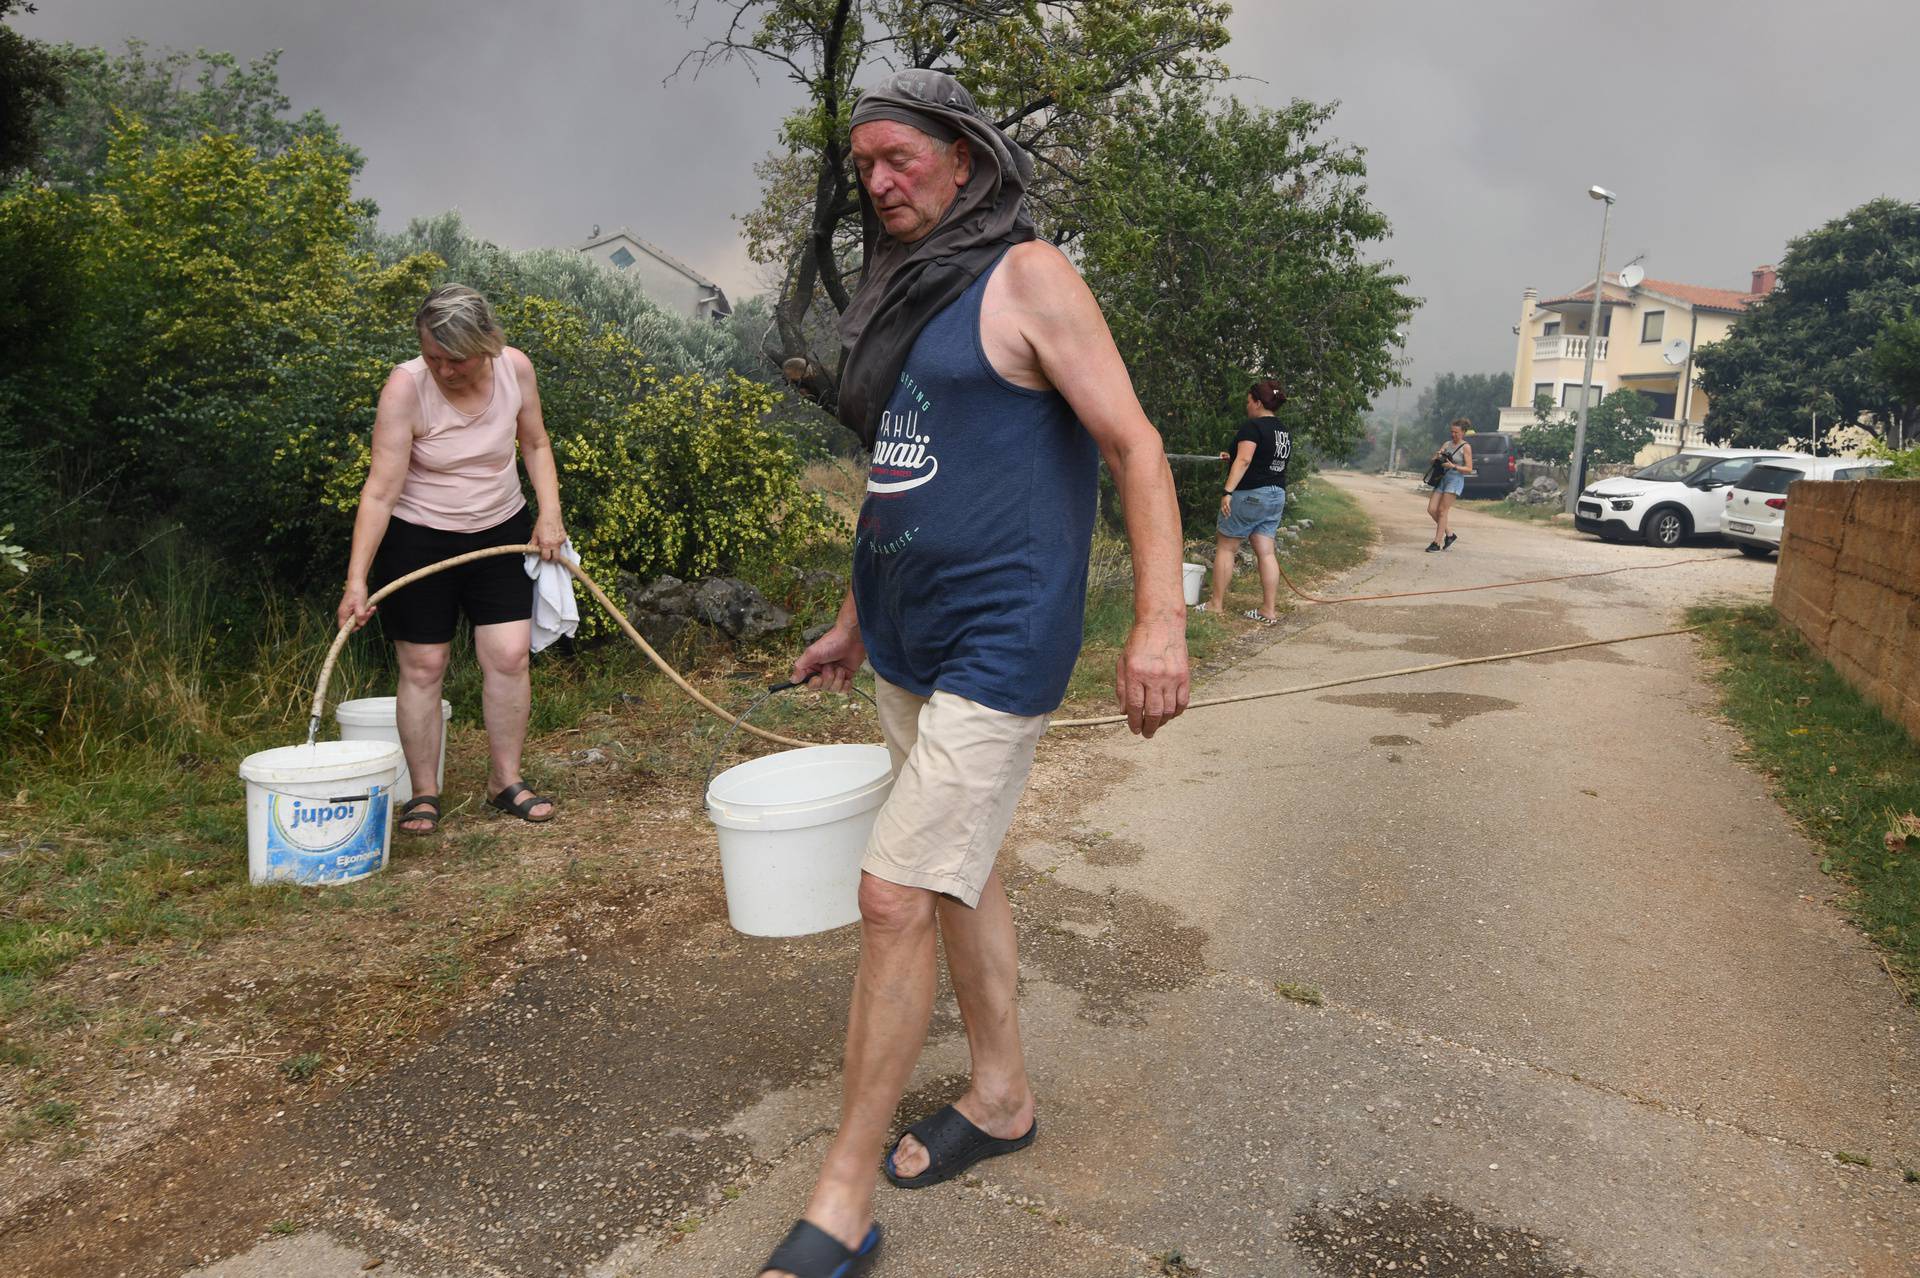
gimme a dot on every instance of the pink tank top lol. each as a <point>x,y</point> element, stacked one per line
<point>462,476</point>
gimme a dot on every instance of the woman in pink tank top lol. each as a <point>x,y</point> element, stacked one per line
<point>443,480</point>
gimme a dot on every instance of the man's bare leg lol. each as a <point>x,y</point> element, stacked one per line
<point>983,960</point>
<point>886,1030</point>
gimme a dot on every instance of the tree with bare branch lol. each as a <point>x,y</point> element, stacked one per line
<point>1045,70</point>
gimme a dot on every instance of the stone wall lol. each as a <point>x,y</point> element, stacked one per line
<point>1849,580</point>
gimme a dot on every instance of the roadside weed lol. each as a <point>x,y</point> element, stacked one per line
<point>1845,772</point>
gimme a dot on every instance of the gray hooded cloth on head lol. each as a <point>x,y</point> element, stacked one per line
<point>903,286</point>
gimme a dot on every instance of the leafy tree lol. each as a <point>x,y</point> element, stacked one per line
<point>48,376</point>
<point>175,97</point>
<point>31,85</point>
<point>1478,397</point>
<point>235,332</point>
<point>1896,361</point>
<point>231,314</point>
<point>1226,243</point>
<point>1809,345</point>
<point>1618,427</point>
<point>608,299</point>
<point>1048,70</point>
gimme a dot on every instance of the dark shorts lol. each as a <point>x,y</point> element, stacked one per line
<point>489,591</point>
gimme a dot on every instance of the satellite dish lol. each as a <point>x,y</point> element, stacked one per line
<point>1675,352</point>
<point>1631,277</point>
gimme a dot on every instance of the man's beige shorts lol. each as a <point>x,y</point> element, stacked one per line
<point>958,771</point>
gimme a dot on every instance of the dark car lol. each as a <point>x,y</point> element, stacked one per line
<point>1496,467</point>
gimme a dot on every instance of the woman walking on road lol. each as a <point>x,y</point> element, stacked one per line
<point>442,481</point>
<point>1452,463</point>
<point>1254,499</point>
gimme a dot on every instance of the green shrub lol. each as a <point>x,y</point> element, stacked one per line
<point>1906,461</point>
<point>39,651</point>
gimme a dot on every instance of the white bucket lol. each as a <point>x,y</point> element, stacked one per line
<point>372,719</point>
<point>321,813</point>
<point>793,830</point>
<point>1191,575</point>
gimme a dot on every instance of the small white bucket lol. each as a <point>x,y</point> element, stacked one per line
<point>319,814</point>
<point>372,719</point>
<point>793,831</point>
<point>1191,575</point>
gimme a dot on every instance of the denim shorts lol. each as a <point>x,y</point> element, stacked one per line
<point>1455,483</point>
<point>1254,512</point>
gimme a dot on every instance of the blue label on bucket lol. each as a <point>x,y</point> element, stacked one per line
<point>318,841</point>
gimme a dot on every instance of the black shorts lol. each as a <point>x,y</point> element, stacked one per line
<point>489,590</point>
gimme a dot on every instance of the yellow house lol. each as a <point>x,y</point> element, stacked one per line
<point>1649,331</point>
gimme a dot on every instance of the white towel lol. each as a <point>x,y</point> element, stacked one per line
<point>555,611</point>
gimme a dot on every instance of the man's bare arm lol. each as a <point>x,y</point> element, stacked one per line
<point>1074,350</point>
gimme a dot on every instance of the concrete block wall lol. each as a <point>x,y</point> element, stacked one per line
<point>1849,580</point>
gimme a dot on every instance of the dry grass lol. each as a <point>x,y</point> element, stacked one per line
<point>842,482</point>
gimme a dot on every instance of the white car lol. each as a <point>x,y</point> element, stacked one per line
<point>1757,505</point>
<point>1675,498</point>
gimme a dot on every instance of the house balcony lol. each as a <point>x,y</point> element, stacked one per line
<point>1515,420</point>
<point>1561,346</point>
<point>1666,430</point>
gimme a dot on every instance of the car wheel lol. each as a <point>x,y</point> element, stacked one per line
<point>1665,528</point>
<point>1754,552</point>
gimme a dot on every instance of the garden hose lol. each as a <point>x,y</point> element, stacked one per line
<point>739,721</point>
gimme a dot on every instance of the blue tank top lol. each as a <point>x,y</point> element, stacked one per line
<point>970,562</point>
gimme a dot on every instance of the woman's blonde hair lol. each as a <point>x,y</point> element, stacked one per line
<point>460,320</point>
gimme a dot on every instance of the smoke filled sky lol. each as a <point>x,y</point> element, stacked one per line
<point>1725,126</point>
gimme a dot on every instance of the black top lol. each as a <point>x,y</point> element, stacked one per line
<point>1272,447</point>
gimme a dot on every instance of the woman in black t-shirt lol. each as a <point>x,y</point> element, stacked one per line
<point>1255,496</point>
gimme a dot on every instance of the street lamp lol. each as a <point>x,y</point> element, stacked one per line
<point>1577,464</point>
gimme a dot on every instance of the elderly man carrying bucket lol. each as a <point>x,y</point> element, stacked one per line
<point>982,374</point>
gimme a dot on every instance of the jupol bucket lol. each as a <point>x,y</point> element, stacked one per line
<point>1191,575</point>
<point>319,814</point>
<point>793,830</point>
<point>372,719</point>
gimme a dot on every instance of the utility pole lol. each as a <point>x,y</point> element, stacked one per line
<point>1577,464</point>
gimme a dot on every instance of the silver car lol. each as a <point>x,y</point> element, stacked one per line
<point>1757,505</point>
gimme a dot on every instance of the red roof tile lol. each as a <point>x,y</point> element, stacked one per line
<point>1695,295</point>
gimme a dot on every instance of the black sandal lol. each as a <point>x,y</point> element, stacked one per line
<point>953,1144</point>
<point>809,1251</point>
<point>411,810</point>
<point>524,804</point>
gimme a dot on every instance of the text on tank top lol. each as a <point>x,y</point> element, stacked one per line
<point>462,475</point>
<point>970,559</point>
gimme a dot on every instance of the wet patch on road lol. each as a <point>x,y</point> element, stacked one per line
<point>1441,709</point>
<point>1465,630</point>
<point>1098,847</point>
<point>1111,947</point>
<point>1368,1235</point>
<point>1392,741</point>
<point>590,1102</point>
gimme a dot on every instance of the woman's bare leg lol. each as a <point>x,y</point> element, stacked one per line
<point>423,670</point>
<point>1224,549</point>
<point>1269,576</point>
